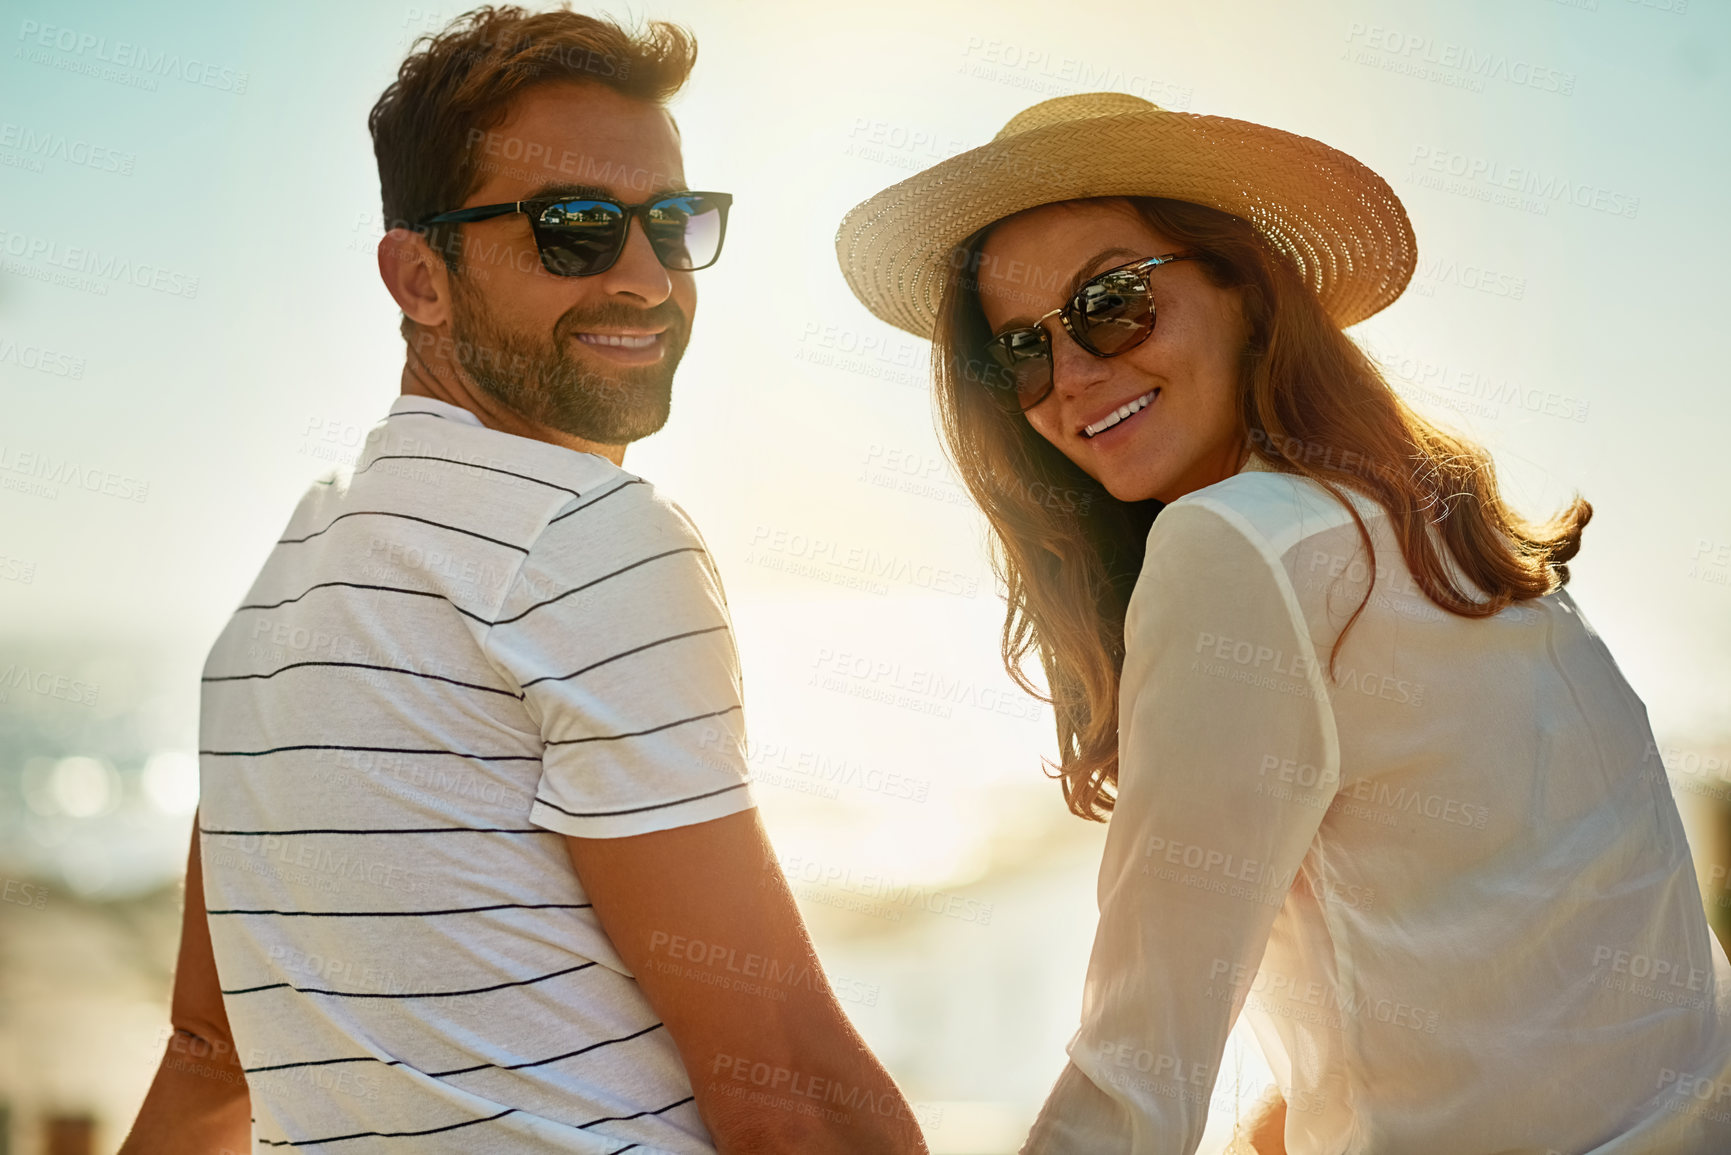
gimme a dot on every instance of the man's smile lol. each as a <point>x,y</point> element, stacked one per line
<point>628,347</point>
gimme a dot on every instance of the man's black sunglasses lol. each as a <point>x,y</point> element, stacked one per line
<point>582,236</point>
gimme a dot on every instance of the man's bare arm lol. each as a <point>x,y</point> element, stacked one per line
<point>703,916</point>
<point>198,1103</point>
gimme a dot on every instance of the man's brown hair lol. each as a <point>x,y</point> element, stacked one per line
<point>429,127</point>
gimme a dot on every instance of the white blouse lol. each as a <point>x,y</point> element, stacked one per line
<point>1449,886</point>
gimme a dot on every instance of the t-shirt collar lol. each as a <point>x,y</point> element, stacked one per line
<point>413,404</point>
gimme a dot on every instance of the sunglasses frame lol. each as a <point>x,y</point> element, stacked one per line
<point>1067,314</point>
<point>549,238</point>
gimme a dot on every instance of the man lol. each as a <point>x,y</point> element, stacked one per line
<point>477,866</point>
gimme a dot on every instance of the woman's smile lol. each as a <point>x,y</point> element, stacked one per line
<point>1120,416</point>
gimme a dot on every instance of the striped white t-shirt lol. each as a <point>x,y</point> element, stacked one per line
<point>462,648</point>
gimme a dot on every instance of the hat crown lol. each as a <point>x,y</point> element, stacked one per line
<point>1078,106</point>
<point>1340,225</point>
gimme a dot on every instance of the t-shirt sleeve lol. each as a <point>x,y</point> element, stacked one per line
<point>617,632</point>
<point>1228,760</point>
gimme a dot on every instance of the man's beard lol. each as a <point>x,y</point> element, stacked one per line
<point>546,381</point>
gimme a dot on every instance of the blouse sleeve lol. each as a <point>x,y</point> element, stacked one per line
<point>1228,760</point>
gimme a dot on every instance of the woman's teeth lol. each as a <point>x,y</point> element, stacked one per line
<point>619,340</point>
<point>1119,414</point>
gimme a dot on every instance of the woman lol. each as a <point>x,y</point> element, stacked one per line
<point>1372,778</point>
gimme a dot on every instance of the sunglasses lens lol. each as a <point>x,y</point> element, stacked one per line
<point>686,230</point>
<point>1113,312</point>
<point>580,237</point>
<point>1022,359</point>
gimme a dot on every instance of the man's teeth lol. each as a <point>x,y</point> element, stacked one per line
<point>619,340</point>
<point>1119,414</point>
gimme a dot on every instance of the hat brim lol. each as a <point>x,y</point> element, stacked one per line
<point>1338,221</point>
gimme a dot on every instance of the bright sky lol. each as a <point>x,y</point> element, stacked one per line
<point>1578,332</point>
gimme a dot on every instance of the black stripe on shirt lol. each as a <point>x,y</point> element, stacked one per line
<point>597,581</point>
<point>364,586</point>
<point>468,464</point>
<point>374,750</point>
<point>400,830</point>
<point>625,654</point>
<point>466,1123</point>
<point>638,809</point>
<point>410,913</point>
<point>364,666</point>
<point>639,1115</point>
<point>641,733</point>
<point>459,1070</point>
<point>323,1063</point>
<point>593,500</point>
<point>417,413</point>
<point>384,1134</point>
<point>412,994</point>
<point>405,517</point>
<point>554,1059</point>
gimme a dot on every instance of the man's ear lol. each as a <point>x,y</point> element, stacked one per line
<point>416,277</point>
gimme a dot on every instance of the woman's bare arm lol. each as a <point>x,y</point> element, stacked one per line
<point>1263,1131</point>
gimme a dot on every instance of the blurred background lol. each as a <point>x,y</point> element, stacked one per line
<point>192,328</point>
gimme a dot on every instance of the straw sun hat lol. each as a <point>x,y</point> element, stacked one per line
<point>1338,221</point>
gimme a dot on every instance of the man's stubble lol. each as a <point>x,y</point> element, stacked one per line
<point>547,380</point>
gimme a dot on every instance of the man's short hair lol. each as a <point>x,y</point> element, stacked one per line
<point>430,127</point>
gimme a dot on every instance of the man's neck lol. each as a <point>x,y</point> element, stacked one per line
<point>434,376</point>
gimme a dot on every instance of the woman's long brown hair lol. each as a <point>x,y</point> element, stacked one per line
<point>1312,403</point>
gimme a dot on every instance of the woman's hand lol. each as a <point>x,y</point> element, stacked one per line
<point>1263,1131</point>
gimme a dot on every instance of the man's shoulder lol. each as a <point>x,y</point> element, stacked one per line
<point>623,544</point>
<point>539,515</point>
<point>626,552</point>
<point>460,453</point>
<point>625,509</point>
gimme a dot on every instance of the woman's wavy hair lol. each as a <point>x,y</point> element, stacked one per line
<point>1311,403</point>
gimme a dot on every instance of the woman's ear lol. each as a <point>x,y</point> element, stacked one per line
<point>1252,306</point>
